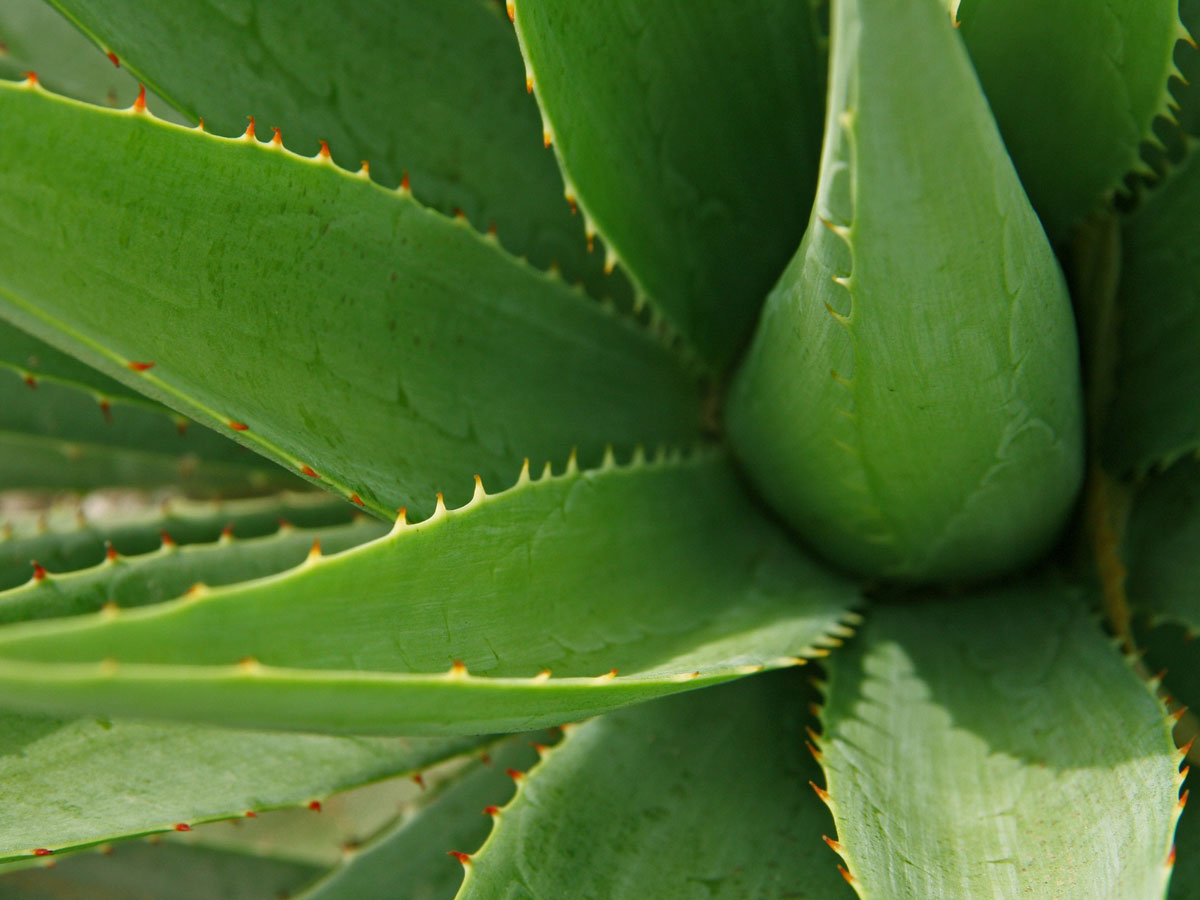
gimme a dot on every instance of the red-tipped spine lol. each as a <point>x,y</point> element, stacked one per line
<point>139,104</point>
<point>140,366</point>
<point>464,858</point>
<point>324,151</point>
<point>39,571</point>
<point>112,58</point>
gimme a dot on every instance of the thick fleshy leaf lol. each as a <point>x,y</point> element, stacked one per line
<point>65,539</point>
<point>85,781</point>
<point>997,745</point>
<point>343,329</point>
<point>623,583</point>
<point>432,89</point>
<point>60,436</point>
<point>1162,546</point>
<point>171,570</point>
<point>1074,90</point>
<point>145,872</point>
<point>689,134</point>
<point>705,795</point>
<point>410,859</point>
<point>1154,417</point>
<point>948,442</point>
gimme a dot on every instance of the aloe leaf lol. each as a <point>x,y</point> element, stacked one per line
<point>688,135</point>
<point>911,402</point>
<point>556,599</point>
<point>34,36</point>
<point>67,784</point>
<point>442,355</point>
<point>625,806</point>
<point>1162,546</point>
<point>169,571</point>
<point>67,539</point>
<point>58,436</point>
<point>434,90</point>
<point>410,859</point>
<point>1035,761</point>
<point>1075,89</point>
<point>146,872</point>
<point>1154,418</point>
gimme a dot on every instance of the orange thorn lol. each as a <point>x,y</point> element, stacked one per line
<point>1187,748</point>
<point>314,805</point>
<point>540,749</point>
<point>110,552</point>
<point>1171,857</point>
<point>324,151</point>
<point>112,58</point>
<point>31,78</point>
<point>106,409</point>
<point>846,874</point>
<point>835,846</point>
<point>571,202</point>
<point>42,851</point>
<point>404,183</point>
<point>249,133</point>
<point>464,858</point>
<point>30,382</point>
<point>308,470</point>
<point>139,105</point>
<point>356,500</point>
<point>591,242</point>
<point>39,571</point>
<point>492,229</point>
<point>514,774</point>
<point>1179,713</point>
<point>227,531</point>
<point>237,426</point>
<point>250,814</point>
<point>366,168</point>
<point>1183,799</point>
<point>458,667</point>
<point>183,826</point>
<point>167,540</point>
<point>816,754</point>
<point>821,792</point>
<point>528,85</point>
<point>419,780</point>
<point>511,9</point>
<point>315,551</point>
<point>276,137</point>
<point>200,123</point>
<point>491,810</point>
<point>140,366</point>
<point>546,142</point>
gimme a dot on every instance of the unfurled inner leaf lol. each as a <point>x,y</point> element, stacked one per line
<point>911,402</point>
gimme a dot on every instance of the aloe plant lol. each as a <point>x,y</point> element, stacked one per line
<point>607,363</point>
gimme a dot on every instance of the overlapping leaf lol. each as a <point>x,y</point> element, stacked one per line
<point>559,598</point>
<point>702,795</point>
<point>359,338</point>
<point>995,745</point>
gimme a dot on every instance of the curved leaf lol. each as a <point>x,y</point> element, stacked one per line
<point>689,134</point>
<point>1154,418</point>
<point>623,583</point>
<point>65,538</point>
<point>410,354</point>
<point>432,89</point>
<point>1075,87</point>
<point>997,745</point>
<point>633,804</point>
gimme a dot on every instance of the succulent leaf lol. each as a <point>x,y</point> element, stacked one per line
<point>1154,418</point>
<point>1023,737</point>
<point>434,90</point>
<point>556,599</point>
<point>409,859</point>
<point>948,441</point>
<point>129,778</point>
<point>688,134</point>
<point>624,806</point>
<point>294,267</point>
<point>65,539</point>
<point>171,570</point>
<point>1091,81</point>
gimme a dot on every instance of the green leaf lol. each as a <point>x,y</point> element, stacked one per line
<point>62,436</point>
<point>65,539</point>
<point>168,572</point>
<point>239,270</point>
<point>1162,546</point>
<point>67,784</point>
<point>662,573</point>
<point>689,134</point>
<point>997,746</point>
<point>410,859</point>
<point>1154,418</point>
<point>948,441</point>
<point>432,89</point>
<point>144,872</point>
<point>704,795</point>
<point>1075,90</point>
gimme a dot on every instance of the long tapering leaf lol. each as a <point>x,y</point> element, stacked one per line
<point>689,134</point>
<point>434,90</point>
<point>1154,418</point>
<point>559,598</point>
<point>705,795</point>
<point>343,329</point>
<point>997,745</point>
